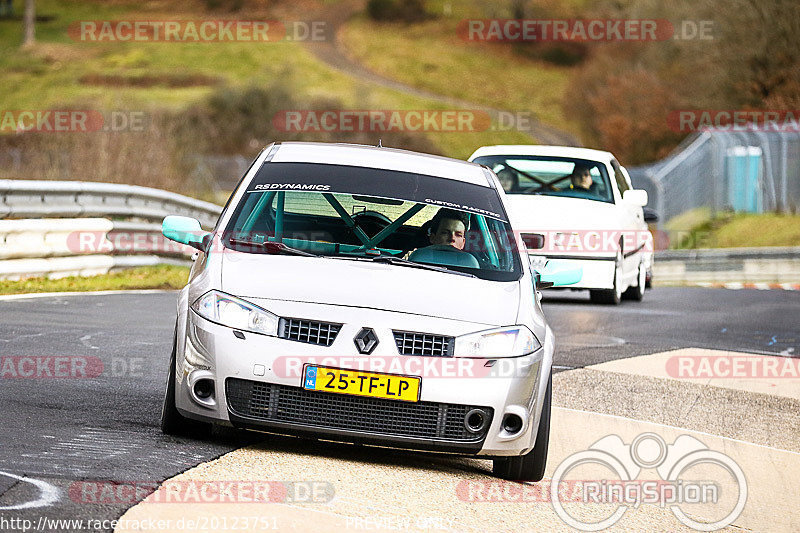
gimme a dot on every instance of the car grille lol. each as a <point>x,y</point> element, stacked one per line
<point>410,343</point>
<point>280,403</point>
<point>308,331</point>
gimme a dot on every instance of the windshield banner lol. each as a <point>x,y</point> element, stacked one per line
<point>392,184</point>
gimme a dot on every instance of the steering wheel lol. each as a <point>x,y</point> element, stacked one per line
<point>445,248</point>
<point>371,222</point>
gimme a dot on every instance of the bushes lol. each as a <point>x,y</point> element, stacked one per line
<point>624,92</point>
<point>164,153</point>
<point>242,121</point>
<point>564,54</point>
<point>397,10</point>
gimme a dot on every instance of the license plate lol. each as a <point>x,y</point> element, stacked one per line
<point>370,384</point>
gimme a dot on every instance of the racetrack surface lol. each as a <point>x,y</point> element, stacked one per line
<point>59,431</point>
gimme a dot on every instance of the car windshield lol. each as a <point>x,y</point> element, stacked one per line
<point>551,176</point>
<point>373,214</point>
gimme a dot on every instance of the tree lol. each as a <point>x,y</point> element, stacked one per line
<point>28,20</point>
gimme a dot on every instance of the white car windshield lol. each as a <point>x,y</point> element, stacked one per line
<point>551,176</point>
<point>396,217</point>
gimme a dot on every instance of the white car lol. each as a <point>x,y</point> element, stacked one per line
<point>578,205</point>
<point>371,295</point>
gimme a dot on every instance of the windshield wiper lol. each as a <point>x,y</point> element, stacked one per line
<point>392,260</point>
<point>275,248</point>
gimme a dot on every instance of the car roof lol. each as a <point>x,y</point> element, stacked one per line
<point>536,149</point>
<point>382,158</point>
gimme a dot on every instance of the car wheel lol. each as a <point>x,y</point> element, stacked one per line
<point>172,422</point>
<point>529,467</point>
<point>609,296</point>
<point>637,292</point>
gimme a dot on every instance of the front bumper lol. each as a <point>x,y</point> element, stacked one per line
<point>211,351</point>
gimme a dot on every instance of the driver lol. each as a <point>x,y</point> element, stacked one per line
<point>581,178</point>
<point>448,227</point>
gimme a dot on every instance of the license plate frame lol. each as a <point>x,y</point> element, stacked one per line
<point>311,379</point>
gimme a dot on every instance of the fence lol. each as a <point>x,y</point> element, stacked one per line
<point>748,170</point>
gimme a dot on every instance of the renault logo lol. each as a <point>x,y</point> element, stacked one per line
<point>366,341</point>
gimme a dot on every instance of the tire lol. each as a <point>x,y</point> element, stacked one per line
<point>636,292</point>
<point>609,296</point>
<point>529,467</point>
<point>172,422</point>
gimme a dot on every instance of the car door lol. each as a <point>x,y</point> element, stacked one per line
<point>632,219</point>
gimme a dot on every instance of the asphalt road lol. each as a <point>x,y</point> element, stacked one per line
<point>56,431</point>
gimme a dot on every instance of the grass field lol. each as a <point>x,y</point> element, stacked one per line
<point>61,72</point>
<point>743,230</point>
<point>432,56</point>
<point>151,277</point>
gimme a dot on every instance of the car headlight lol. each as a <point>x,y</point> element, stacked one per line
<point>511,341</point>
<point>235,313</point>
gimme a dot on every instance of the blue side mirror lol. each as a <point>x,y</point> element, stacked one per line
<point>184,230</point>
<point>557,273</point>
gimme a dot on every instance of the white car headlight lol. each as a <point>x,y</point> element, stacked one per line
<point>235,313</point>
<point>511,341</point>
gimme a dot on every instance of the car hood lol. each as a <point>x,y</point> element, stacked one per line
<point>536,213</point>
<point>355,283</point>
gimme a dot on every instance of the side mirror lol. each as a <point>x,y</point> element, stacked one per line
<point>185,230</point>
<point>559,274</point>
<point>650,215</point>
<point>533,241</point>
<point>635,197</point>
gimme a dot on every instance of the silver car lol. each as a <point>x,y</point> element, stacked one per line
<point>371,295</point>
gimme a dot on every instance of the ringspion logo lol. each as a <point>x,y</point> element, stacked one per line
<point>621,488</point>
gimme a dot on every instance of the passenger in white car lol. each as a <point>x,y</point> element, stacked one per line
<point>581,178</point>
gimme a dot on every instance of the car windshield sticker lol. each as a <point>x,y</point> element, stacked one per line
<point>379,183</point>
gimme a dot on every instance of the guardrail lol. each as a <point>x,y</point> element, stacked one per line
<point>84,244</point>
<point>723,265</point>
<point>53,246</point>
<point>29,198</point>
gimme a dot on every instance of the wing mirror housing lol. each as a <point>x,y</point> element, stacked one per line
<point>185,230</point>
<point>556,273</point>
<point>650,216</point>
<point>636,197</point>
<point>533,241</point>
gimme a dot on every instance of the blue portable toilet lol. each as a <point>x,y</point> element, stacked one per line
<point>743,177</point>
